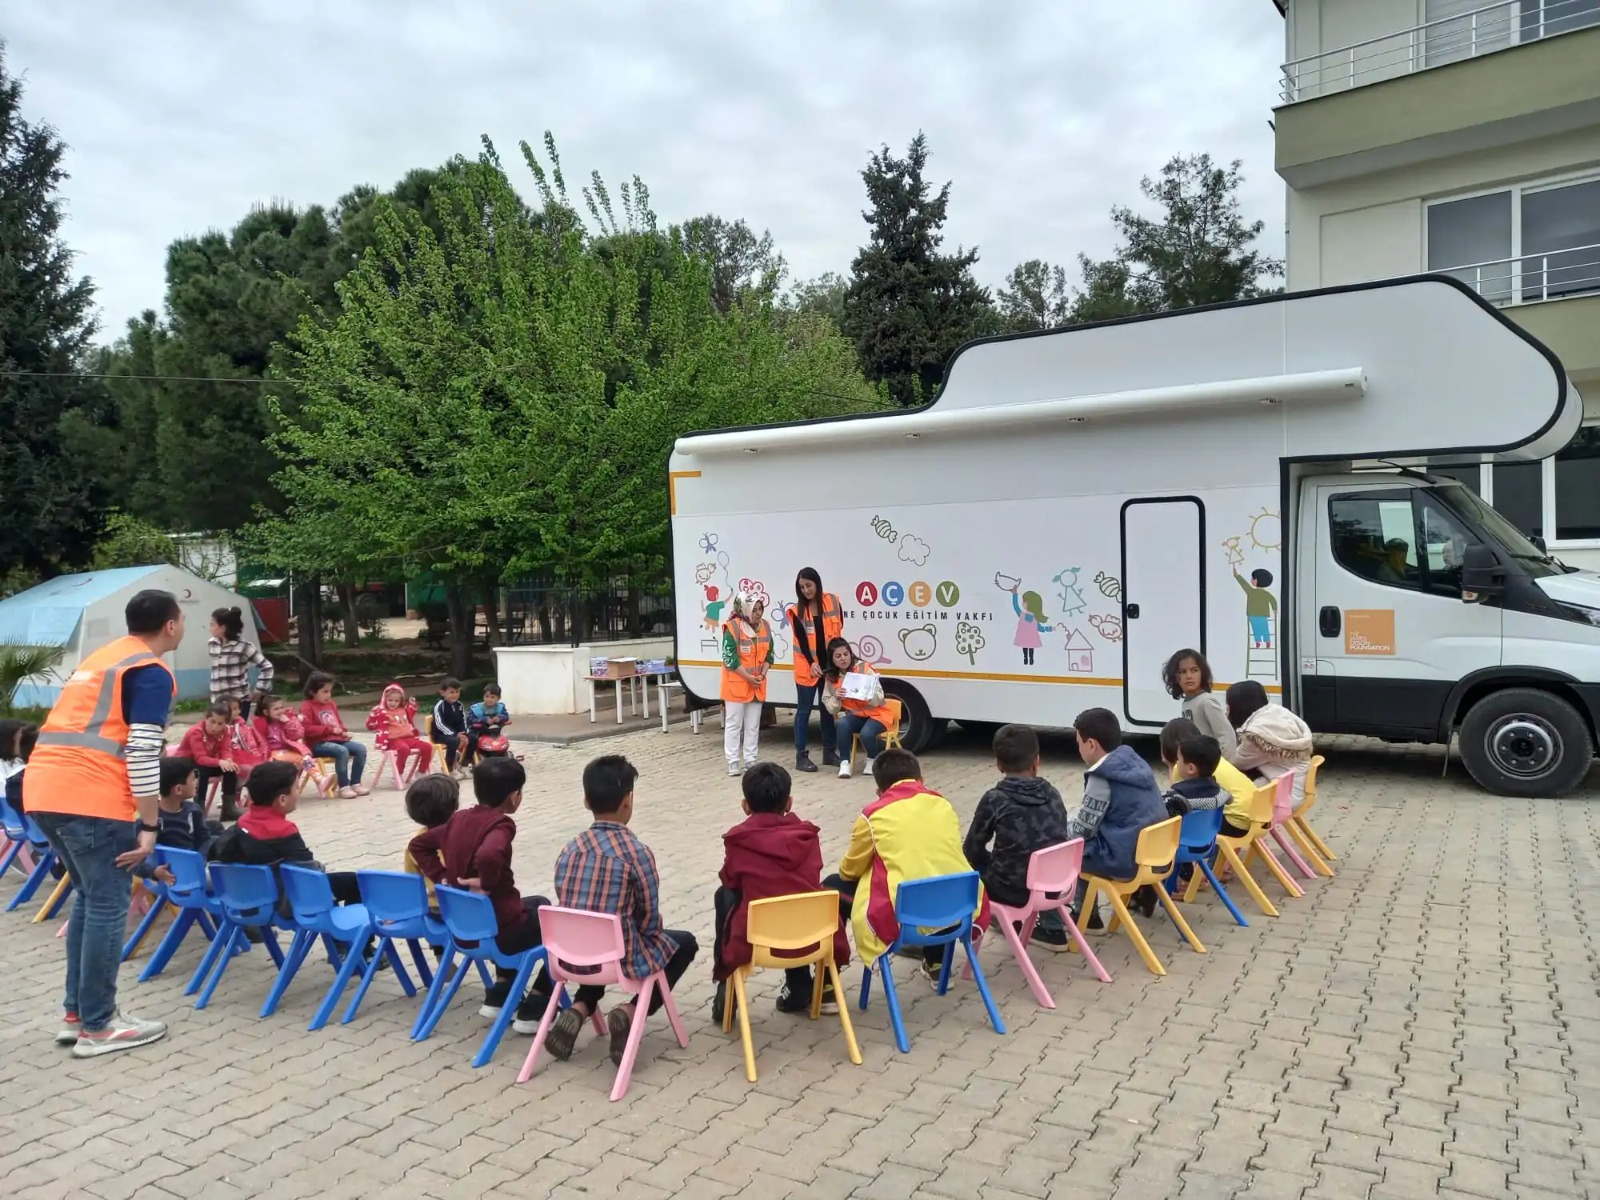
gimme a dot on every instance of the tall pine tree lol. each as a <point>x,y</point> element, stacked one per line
<point>908,306</point>
<point>53,507</point>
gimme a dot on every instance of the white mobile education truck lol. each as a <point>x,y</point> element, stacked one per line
<point>1248,479</point>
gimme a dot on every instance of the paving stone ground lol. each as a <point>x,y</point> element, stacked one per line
<point>1425,1024</point>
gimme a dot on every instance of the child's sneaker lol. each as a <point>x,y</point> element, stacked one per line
<point>1051,939</point>
<point>930,972</point>
<point>792,1001</point>
<point>867,770</point>
<point>563,1035</point>
<point>620,1023</point>
<point>121,1033</point>
<point>844,769</point>
<point>494,999</point>
<point>530,1012</point>
<point>733,770</point>
<point>71,1027</point>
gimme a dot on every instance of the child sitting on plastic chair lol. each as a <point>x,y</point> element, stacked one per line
<point>1020,814</point>
<point>472,850</point>
<point>1120,798</point>
<point>607,869</point>
<point>180,823</point>
<point>915,834</point>
<point>770,853</point>
<point>266,837</point>
<point>431,801</point>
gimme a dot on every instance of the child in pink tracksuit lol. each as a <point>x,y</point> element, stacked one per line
<point>394,720</point>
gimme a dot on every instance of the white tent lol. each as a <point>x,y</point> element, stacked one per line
<point>81,613</point>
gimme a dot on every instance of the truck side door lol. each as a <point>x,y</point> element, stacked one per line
<point>1391,635</point>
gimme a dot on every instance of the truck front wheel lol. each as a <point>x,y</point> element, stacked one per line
<point>1526,742</point>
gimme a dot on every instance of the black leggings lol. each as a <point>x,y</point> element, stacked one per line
<point>932,955</point>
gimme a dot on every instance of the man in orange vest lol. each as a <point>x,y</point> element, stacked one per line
<point>92,785</point>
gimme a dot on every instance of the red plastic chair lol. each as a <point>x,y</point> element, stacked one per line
<point>586,948</point>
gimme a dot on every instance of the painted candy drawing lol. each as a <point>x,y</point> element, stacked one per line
<point>1110,586</point>
<point>881,527</point>
<point>1072,602</point>
<point>871,649</point>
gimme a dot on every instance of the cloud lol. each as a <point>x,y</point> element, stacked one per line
<point>914,550</point>
<point>181,115</point>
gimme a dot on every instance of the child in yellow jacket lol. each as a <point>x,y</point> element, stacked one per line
<point>909,832</point>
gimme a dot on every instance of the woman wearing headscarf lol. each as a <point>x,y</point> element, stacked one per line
<point>746,658</point>
<point>814,620</point>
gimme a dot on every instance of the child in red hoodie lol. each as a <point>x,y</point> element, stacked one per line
<point>770,853</point>
<point>394,719</point>
<point>328,738</point>
<point>209,745</point>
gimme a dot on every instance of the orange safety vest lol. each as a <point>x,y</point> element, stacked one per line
<point>79,766</point>
<point>883,712</point>
<point>754,647</point>
<point>805,675</point>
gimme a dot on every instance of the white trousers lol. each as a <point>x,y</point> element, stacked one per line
<point>741,725</point>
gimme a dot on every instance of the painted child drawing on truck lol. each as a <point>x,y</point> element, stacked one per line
<point>1029,607</point>
<point>1260,605</point>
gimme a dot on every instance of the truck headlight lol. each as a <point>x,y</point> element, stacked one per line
<point>1577,612</point>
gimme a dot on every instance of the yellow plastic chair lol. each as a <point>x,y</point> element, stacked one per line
<point>805,923</point>
<point>1299,827</point>
<point>1156,855</point>
<point>1230,848</point>
<point>53,901</point>
<point>891,735</point>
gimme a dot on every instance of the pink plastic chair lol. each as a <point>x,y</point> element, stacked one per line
<point>1282,809</point>
<point>386,758</point>
<point>586,948</point>
<point>1282,814</point>
<point>1052,878</point>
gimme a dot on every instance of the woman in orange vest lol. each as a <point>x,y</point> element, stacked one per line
<point>746,658</point>
<point>814,621</point>
<point>864,716</point>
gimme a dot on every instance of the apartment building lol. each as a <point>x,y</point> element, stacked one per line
<point>1461,137</point>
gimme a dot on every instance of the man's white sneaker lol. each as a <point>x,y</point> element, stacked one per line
<point>844,769</point>
<point>121,1033</point>
<point>71,1027</point>
<point>733,770</point>
<point>867,770</point>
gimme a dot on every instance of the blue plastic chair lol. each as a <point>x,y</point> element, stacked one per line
<point>248,899</point>
<point>191,896</point>
<point>45,859</point>
<point>924,906</point>
<point>343,930</point>
<point>398,904</point>
<point>470,924</point>
<point>1197,844</point>
<point>15,831</point>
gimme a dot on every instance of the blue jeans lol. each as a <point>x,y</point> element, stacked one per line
<point>807,698</point>
<point>88,847</point>
<point>870,731</point>
<point>349,760</point>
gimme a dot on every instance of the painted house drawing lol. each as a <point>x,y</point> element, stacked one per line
<point>1080,654</point>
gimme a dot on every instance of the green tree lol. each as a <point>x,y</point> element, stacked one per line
<point>909,306</point>
<point>743,266</point>
<point>1198,250</point>
<point>54,506</point>
<point>1035,297</point>
<point>130,542</point>
<point>499,397</point>
<point>823,295</point>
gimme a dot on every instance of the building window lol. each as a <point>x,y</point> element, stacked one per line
<point>1557,498</point>
<point>1521,244</point>
<point>1458,29</point>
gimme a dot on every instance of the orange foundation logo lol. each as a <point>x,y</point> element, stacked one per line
<point>1369,631</point>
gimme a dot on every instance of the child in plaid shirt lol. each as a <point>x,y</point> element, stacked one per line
<point>607,869</point>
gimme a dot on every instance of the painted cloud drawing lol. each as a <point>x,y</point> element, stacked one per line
<point>914,549</point>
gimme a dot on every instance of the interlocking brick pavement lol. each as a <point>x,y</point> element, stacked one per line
<point>1427,1023</point>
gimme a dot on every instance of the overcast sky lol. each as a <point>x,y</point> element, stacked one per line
<point>181,114</point>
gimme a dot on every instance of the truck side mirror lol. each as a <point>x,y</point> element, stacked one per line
<point>1481,573</point>
<point>1538,543</point>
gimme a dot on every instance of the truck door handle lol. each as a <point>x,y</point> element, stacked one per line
<point>1328,621</point>
<point>1133,612</point>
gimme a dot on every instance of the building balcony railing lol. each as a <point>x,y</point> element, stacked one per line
<point>1485,30</point>
<point>1529,278</point>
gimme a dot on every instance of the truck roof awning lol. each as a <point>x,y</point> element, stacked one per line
<point>1403,369</point>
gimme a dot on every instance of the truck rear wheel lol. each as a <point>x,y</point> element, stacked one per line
<point>1526,742</point>
<point>918,729</point>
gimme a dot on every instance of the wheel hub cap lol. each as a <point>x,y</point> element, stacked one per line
<point>1524,745</point>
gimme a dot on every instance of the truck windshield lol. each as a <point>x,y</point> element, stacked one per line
<point>1499,531</point>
